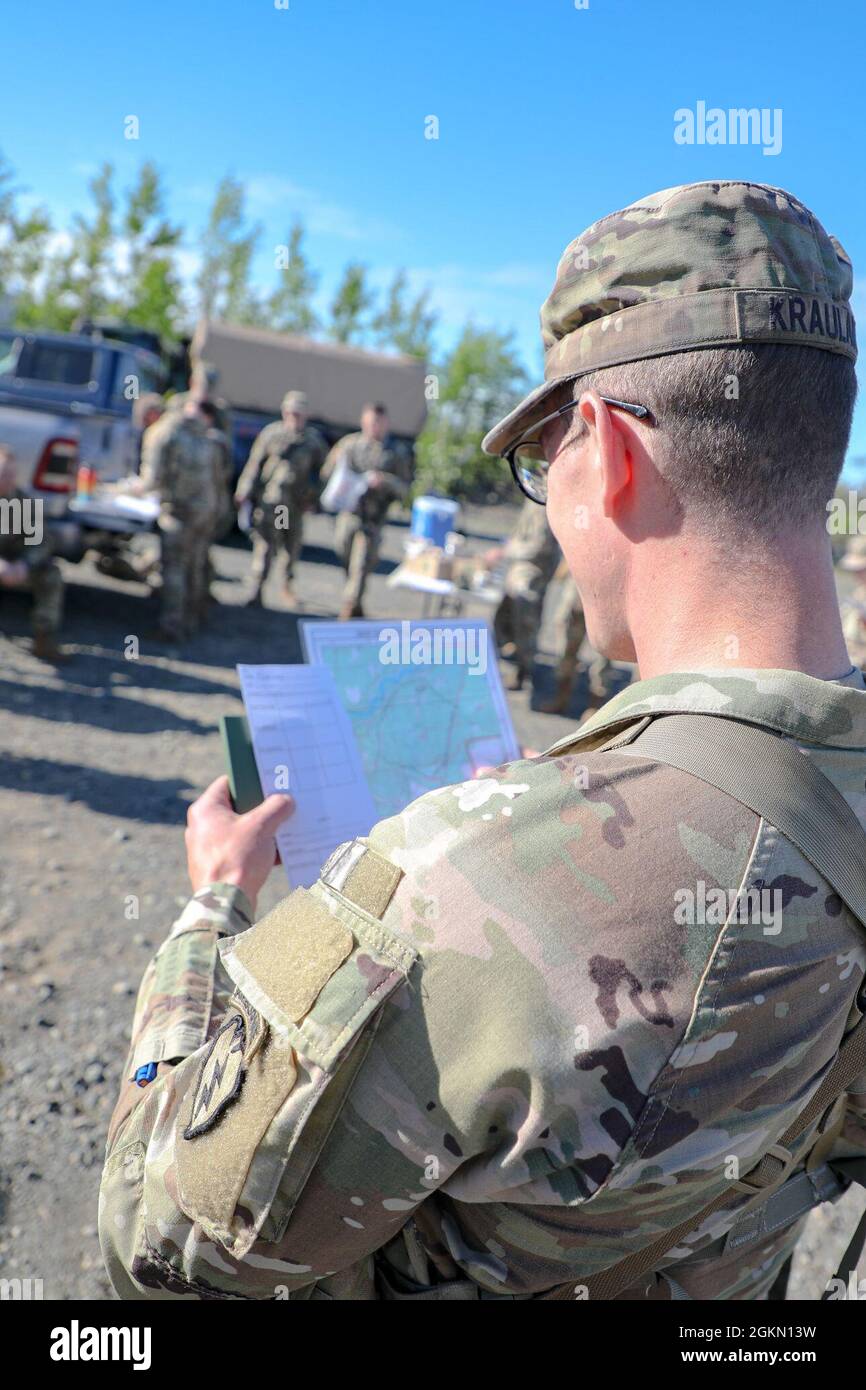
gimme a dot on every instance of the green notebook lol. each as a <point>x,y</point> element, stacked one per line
<point>244,784</point>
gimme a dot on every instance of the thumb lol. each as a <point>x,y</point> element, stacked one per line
<point>273,811</point>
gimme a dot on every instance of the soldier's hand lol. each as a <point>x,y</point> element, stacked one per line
<point>223,847</point>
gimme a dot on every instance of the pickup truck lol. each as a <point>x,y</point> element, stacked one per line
<point>65,400</point>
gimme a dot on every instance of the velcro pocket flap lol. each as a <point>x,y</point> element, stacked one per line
<point>315,971</point>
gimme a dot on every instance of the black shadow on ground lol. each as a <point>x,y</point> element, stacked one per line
<point>156,800</point>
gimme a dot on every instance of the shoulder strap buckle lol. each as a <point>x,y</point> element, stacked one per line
<point>775,1167</point>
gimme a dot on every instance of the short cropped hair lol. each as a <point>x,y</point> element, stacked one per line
<point>749,438</point>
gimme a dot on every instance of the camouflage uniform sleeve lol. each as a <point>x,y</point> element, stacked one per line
<point>249,478</point>
<point>184,993</point>
<point>398,474</point>
<point>154,452</point>
<point>322,449</point>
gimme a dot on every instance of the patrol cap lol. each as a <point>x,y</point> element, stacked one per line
<point>855,554</point>
<point>296,400</point>
<point>703,265</point>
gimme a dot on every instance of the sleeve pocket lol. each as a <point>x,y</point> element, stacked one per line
<point>311,978</point>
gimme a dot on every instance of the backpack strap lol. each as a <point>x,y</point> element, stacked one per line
<point>768,773</point>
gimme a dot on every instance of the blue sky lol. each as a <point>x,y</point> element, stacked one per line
<point>549,117</point>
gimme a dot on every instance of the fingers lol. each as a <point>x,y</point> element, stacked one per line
<point>213,797</point>
<point>272,812</point>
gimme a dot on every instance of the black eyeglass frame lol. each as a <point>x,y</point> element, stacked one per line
<point>640,412</point>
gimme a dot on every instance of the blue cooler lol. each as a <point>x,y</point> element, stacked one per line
<point>433,518</point>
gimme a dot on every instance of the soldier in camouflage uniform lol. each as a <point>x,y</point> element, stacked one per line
<point>276,480</point>
<point>854,606</point>
<point>388,465</point>
<point>531,554</point>
<point>28,562</point>
<point>523,1030</point>
<point>183,464</point>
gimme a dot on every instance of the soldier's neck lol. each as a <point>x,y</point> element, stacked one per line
<point>774,607</point>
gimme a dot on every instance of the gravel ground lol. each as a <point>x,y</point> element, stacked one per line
<point>98,763</point>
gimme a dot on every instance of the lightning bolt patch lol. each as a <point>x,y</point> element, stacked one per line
<point>220,1077</point>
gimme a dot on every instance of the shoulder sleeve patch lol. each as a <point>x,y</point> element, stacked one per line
<point>220,1078</point>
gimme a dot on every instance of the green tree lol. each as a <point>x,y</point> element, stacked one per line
<point>289,308</point>
<point>23,243</point>
<point>228,247</point>
<point>89,267</point>
<point>76,279</point>
<point>351,305</point>
<point>478,382</point>
<point>151,292</point>
<point>403,323</point>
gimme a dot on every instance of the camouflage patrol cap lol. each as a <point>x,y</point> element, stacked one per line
<point>703,265</point>
<point>296,400</point>
<point>855,554</point>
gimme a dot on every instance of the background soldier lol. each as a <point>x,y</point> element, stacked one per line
<point>225,515</point>
<point>388,466</point>
<point>276,481</point>
<point>532,554</point>
<point>23,564</point>
<point>184,466</point>
<point>570,630</point>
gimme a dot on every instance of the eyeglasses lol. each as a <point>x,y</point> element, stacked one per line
<point>526,457</point>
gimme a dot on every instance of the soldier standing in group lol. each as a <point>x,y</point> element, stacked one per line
<point>26,561</point>
<point>387,464</point>
<point>591,1027</point>
<point>225,516</point>
<point>570,630</point>
<point>276,481</point>
<point>854,605</point>
<point>184,466</point>
<point>532,554</point>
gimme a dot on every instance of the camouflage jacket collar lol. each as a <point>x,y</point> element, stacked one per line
<point>805,708</point>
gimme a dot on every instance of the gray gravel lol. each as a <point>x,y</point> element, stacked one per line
<point>98,763</point>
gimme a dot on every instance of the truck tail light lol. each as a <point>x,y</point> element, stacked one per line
<point>57,466</point>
